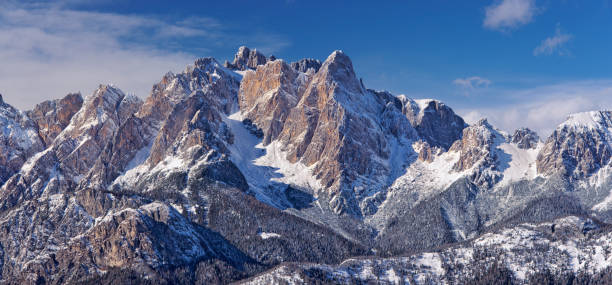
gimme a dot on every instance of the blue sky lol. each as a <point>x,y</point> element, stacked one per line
<point>517,62</point>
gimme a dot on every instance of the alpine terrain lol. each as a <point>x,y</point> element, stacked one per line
<point>262,171</point>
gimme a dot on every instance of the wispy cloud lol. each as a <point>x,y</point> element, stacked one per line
<point>470,84</point>
<point>543,108</point>
<point>555,44</point>
<point>506,15</point>
<point>48,50</point>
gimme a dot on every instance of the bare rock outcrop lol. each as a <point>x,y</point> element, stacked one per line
<point>80,144</point>
<point>180,124</point>
<point>477,153</point>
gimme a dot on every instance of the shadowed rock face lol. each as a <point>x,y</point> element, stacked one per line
<point>579,147</point>
<point>435,122</point>
<point>525,138</point>
<point>52,117</point>
<point>303,65</point>
<point>19,140</point>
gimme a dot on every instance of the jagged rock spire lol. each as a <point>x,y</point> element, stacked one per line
<point>303,65</point>
<point>246,58</point>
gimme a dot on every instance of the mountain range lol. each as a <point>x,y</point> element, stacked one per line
<point>263,171</point>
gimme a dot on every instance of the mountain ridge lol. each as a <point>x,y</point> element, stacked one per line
<point>244,160</point>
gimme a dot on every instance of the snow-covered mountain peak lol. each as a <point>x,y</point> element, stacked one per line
<point>484,125</point>
<point>218,83</point>
<point>490,156</point>
<point>337,55</point>
<point>103,104</point>
<point>589,120</point>
<point>424,104</point>
<point>206,63</point>
<point>579,147</point>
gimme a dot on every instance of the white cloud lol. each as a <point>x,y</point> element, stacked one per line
<point>49,50</point>
<point>472,82</point>
<point>509,14</point>
<point>469,85</point>
<point>543,108</point>
<point>554,45</point>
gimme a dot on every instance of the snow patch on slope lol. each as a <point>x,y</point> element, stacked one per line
<point>265,235</point>
<point>522,163</point>
<point>435,175</point>
<point>604,205</point>
<point>265,168</point>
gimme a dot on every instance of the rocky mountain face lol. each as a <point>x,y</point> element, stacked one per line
<point>579,147</point>
<point>324,120</point>
<point>247,59</point>
<point>476,149</point>
<point>303,65</point>
<point>435,122</point>
<point>268,95</point>
<point>525,138</point>
<point>18,140</point>
<point>51,117</point>
<point>226,171</point>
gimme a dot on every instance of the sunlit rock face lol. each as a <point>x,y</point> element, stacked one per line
<point>579,147</point>
<point>246,59</point>
<point>52,117</point>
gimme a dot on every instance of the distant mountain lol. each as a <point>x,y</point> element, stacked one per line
<point>226,171</point>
